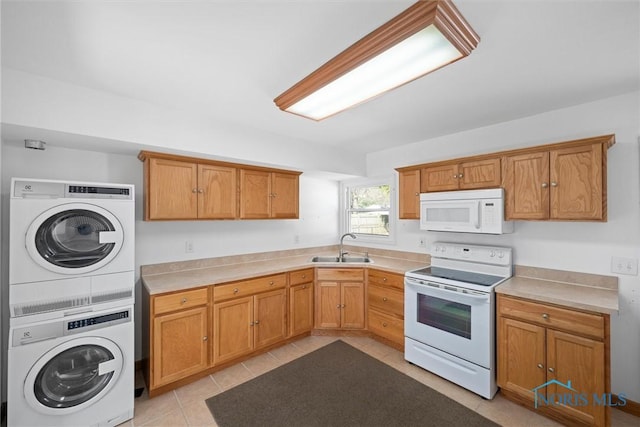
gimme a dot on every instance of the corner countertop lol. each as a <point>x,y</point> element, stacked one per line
<point>573,290</point>
<point>179,276</point>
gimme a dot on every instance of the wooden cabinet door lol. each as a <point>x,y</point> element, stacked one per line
<point>480,174</point>
<point>284,195</point>
<point>233,327</point>
<point>439,178</point>
<point>269,318</point>
<point>329,306</point>
<point>352,296</point>
<point>217,192</point>
<point>172,190</point>
<point>300,308</point>
<point>409,194</point>
<point>576,183</point>
<point>526,186</point>
<point>521,357</point>
<point>179,345</point>
<point>581,361</point>
<point>255,190</point>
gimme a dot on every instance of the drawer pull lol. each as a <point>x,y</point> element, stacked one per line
<point>384,324</point>
<point>236,290</point>
<point>540,365</point>
<point>271,283</point>
<point>183,300</point>
<point>304,286</point>
<point>384,299</point>
<point>304,276</point>
<point>384,279</point>
<point>545,316</point>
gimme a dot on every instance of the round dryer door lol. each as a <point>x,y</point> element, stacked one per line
<point>74,238</point>
<point>73,375</point>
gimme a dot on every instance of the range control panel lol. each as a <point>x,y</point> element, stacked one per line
<point>483,254</point>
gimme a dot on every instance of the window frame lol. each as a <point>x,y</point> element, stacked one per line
<point>345,189</point>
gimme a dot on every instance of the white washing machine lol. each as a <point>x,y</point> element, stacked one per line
<point>72,371</point>
<point>71,245</point>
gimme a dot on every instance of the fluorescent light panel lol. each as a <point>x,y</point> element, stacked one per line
<point>407,57</point>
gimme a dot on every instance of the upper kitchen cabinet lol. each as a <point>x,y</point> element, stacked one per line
<point>565,181</point>
<point>482,173</point>
<point>186,188</point>
<point>268,194</point>
<point>409,194</point>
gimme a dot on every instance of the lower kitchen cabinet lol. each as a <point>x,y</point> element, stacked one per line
<point>340,299</point>
<point>245,324</point>
<point>385,297</point>
<point>300,302</point>
<point>543,349</point>
<point>179,331</point>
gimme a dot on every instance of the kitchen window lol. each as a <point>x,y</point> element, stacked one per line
<point>368,209</point>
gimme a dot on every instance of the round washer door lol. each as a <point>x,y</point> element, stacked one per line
<point>73,375</point>
<point>74,238</point>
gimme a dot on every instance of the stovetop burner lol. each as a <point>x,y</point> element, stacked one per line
<point>458,275</point>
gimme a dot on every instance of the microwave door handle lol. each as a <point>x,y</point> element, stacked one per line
<point>476,220</point>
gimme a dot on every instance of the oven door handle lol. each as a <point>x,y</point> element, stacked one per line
<point>484,297</point>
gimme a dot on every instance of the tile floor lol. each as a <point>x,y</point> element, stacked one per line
<point>186,406</point>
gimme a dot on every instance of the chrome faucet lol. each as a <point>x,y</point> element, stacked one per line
<point>342,253</point>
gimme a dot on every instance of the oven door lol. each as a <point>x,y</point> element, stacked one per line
<point>455,320</point>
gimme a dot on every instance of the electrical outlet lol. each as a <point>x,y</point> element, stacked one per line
<point>628,266</point>
<point>188,246</point>
<point>422,243</point>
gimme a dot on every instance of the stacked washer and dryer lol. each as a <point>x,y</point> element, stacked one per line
<point>71,295</point>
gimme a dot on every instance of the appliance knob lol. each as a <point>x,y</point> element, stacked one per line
<point>492,254</point>
<point>501,254</point>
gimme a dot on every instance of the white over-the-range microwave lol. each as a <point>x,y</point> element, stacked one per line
<point>467,211</point>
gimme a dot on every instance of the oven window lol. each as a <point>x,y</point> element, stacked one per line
<point>445,315</point>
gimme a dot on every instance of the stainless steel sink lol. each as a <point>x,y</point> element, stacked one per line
<point>346,259</point>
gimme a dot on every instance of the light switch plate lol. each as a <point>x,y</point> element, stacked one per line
<point>628,266</point>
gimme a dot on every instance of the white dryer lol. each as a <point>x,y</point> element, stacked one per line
<point>73,371</point>
<point>71,245</point>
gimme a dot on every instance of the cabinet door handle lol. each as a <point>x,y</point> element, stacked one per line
<point>417,194</point>
<point>455,176</point>
<point>545,185</point>
<point>554,184</point>
<point>459,175</point>
<point>251,324</point>
<point>338,306</point>
<point>384,324</point>
<point>551,370</point>
<point>275,194</point>
<point>304,286</point>
<point>200,190</point>
<point>342,305</point>
<point>545,316</point>
<point>384,299</point>
<point>205,338</point>
<point>540,365</point>
<point>256,322</point>
<point>195,190</point>
<point>183,301</point>
<point>236,290</point>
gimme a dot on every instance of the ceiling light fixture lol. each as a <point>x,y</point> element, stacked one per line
<point>428,35</point>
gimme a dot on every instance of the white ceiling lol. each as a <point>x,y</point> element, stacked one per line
<point>229,59</point>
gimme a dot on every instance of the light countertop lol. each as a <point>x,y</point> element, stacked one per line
<point>179,278</point>
<point>580,291</point>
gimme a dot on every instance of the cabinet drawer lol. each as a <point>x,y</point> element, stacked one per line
<point>301,276</point>
<point>179,300</point>
<point>249,287</point>
<point>354,274</point>
<point>387,300</point>
<point>383,278</point>
<point>386,326</point>
<point>551,316</point>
